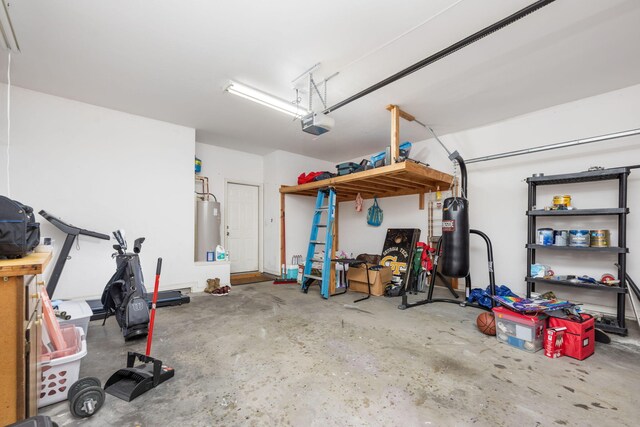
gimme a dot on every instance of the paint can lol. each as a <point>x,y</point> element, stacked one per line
<point>564,200</point>
<point>599,238</point>
<point>560,237</point>
<point>545,236</point>
<point>579,238</point>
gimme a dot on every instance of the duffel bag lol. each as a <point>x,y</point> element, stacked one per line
<point>19,231</point>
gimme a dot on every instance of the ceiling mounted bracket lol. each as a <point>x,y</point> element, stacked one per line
<point>312,87</point>
<point>8,39</point>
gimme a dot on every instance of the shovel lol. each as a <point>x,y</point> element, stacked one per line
<point>131,382</point>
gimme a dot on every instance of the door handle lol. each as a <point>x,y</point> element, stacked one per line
<point>227,233</point>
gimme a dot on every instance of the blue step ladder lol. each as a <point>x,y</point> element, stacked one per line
<point>328,196</point>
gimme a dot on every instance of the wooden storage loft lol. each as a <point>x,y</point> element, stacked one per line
<point>398,179</point>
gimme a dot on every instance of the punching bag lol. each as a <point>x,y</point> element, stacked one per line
<point>455,237</point>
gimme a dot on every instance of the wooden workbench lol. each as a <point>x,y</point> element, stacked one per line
<point>21,325</point>
<point>398,179</point>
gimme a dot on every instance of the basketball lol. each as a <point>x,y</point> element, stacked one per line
<point>486,323</point>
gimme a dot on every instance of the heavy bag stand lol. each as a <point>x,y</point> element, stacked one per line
<point>455,156</point>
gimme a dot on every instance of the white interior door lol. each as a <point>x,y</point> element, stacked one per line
<point>242,226</point>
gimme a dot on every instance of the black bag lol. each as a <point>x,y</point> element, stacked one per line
<point>124,297</point>
<point>19,231</point>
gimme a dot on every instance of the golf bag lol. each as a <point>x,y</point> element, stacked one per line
<point>124,295</point>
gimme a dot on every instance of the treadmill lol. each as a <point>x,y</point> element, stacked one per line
<point>165,298</point>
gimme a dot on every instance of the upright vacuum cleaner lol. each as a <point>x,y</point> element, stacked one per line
<point>132,381</point>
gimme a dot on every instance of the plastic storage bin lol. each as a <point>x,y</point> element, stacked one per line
<point>79,311</point>
<point>61,368</point>
<point>525,332</point>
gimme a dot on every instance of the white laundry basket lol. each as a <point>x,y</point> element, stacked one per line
<point>60,369</point>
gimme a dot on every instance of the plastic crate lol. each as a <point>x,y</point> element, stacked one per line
<point>61,368</point>
<point>520,330</point>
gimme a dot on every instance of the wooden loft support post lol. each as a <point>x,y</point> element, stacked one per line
<point>336,234</point>
<point>395,133</point>
<point>283,240</point>
<point>396,114</point>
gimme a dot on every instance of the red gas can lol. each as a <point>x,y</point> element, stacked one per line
<point>579,338</point>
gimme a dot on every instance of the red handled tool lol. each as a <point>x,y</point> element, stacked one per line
<point>153,307</point>
<point>132,381</point>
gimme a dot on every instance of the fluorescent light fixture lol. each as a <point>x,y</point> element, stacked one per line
<point>266,100</point>
<point>8,38</point>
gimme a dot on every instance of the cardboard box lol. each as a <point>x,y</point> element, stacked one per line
<point>357,277</point>
<point>554,342</point>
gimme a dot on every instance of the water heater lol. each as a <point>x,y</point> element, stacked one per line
<point>207,228</point>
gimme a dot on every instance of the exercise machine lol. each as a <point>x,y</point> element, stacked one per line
<point>165,298</point>
<point>72,233</point>
<point>453,247</point>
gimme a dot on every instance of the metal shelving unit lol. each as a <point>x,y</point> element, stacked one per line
<point>616,325</point>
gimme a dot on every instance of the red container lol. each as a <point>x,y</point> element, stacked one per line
<point>554,342</point>
<point>579,338</point>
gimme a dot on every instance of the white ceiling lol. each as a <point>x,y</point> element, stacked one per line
<point>170,60</point>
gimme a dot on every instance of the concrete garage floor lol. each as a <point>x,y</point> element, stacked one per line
<point>271,356</point>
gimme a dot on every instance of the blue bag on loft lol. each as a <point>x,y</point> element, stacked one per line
<point>374,214</point>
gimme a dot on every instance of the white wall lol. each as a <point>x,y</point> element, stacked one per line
<point>498,195</point>
<point>223,165</point>
<point>101,170</point>
<point>283,168</point>
<point>271,171</point>
<point>357,237</point>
